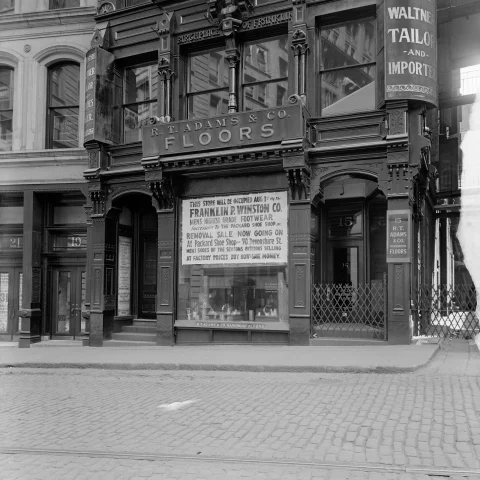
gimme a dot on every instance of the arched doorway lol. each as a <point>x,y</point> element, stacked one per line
<point>350,294</point>
<point>137,256</point>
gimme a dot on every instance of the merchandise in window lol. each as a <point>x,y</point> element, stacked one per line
<point>6,108</point>
<point>140,100</point>
<point>63,105</point>
<point>347,73</point>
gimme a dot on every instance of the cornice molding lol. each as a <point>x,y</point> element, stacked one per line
<point>48,17</point>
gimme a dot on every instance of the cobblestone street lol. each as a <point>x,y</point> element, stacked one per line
<point>88,424</point>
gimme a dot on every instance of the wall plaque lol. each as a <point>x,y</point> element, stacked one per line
<point>399,233</point>
<point>411,50</point>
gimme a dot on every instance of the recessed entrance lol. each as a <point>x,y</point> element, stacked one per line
<point>349,301</point>
<point>137,257</point>
<point>68,300</point>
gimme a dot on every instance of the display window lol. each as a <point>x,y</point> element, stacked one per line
<point>233,261</point>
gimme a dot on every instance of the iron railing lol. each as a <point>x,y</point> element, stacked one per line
<point>346,311</point>
<point>445,311</point>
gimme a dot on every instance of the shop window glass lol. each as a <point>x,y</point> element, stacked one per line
<point>6,108</point>
<point>347,74</point>
<point>63,105</point>
<point>140,100</point>
<point>232,268</point>
<point>7,6</point>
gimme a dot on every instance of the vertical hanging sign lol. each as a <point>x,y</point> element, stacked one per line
<point>399,236</point>
<point>99,93</point>
<point>411,50</point>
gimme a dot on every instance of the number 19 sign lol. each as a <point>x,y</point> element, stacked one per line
<point>399,236</point>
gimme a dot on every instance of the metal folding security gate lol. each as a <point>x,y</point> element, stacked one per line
<point>445,311</point>
<point>347,311</point>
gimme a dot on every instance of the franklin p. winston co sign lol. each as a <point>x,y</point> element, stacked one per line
<point>236,130</point>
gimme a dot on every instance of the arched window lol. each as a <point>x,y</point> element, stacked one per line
<point>63,105</point>
<point>6,108</point>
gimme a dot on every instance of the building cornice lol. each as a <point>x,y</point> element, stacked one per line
<point>53,18</point>
<point>43,157</point>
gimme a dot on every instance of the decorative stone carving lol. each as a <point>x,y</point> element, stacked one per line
<point>163,193</point>
<point>98,199</point>
<point>397,122</point>
<point>299,183</point>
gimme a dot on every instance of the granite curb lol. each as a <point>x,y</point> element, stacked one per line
<point>391,369</point>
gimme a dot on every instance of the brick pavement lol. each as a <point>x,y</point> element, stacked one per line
<point>345,424</point>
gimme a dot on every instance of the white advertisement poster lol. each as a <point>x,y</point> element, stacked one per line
<point>124,274</point>
<point>235,229</point>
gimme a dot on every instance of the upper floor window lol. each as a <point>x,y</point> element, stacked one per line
<point>63,105</point>
<point>347,71</point>
<point>208,84</point>
<point>7,6</point>
<point>140,100</point>
<point>263,78</point>
<point>6,108</point>
<point>55,4</point>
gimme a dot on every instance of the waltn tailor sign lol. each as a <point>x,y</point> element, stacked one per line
<point>399,236</point>
<point>236,229</point>
<point>234,130</point>
<point>411,50</point>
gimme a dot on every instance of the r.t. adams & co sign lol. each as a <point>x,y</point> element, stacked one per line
<point>236,130</point>
<point>411,50</point>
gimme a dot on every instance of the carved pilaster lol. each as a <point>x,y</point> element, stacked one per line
<point>300,49</point>
<point>165,71</point>
<point>233,57</point>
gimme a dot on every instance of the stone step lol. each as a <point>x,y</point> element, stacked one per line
<point>138,329</point>
<point>144,322</point>
<point>344,342</point>
<point>136,337</point>
<point>127,343</point>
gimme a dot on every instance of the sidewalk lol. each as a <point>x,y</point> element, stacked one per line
<point>359,359</point>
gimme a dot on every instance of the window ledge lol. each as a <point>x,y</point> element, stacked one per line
<point>50,153</point>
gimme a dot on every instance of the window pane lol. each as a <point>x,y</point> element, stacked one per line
<point>64,85</point>
<point>207,105</point>
<point>5,130</point>
<point>7,6</point>
<point>348,90</point>
<point>265,60</point>
<point>64,127</point>
<point>54,4</point>
<point>6,89</point>
<point>135,117</point>
<point>141,84</point>
<point>207,71</point>
<point>349,44</point>
<point>265,95</point>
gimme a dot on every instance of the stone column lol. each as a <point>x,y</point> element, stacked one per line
<point>300,257</point>
<point>102,270</point>
<point>164,202</point>
<point>30,313</point>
